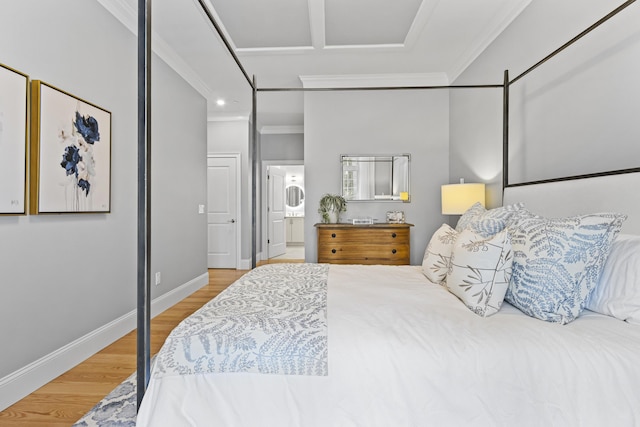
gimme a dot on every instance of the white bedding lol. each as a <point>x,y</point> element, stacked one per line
<point>405,352</point>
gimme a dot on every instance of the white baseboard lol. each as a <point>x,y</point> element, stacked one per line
<point>245,264</point>
<point>29,378</point>
<point>176,295</point>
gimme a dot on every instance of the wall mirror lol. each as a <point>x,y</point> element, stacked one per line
<point>294,196</point>
<point>375,177</point>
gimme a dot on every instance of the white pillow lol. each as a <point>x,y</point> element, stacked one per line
<point>617,293</point>
<point>557,262</point>
<point>480,271</point>
<point>437,256</point>
<point>487,222</point>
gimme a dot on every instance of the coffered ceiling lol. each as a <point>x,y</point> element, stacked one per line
<point>406,42</point>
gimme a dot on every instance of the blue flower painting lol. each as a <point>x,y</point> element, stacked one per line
<point>77,159</point>
<point>87,127</point>
<point>70,160</point>
<point>73,152</point>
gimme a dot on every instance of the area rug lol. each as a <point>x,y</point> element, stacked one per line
<point>117,409</point>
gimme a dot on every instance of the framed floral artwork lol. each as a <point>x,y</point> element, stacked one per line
<point>14,88</point>
<point>70,153</point>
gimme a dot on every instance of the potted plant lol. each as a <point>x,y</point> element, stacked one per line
<point>330,207</point>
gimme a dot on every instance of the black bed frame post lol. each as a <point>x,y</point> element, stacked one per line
<point>144,198</point>
<point>505,131</point>
<point>254,171</point>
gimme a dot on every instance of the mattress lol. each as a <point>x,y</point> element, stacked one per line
<point>403,351</point>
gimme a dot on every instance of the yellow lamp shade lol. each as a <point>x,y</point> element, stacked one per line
<point>457,198</point>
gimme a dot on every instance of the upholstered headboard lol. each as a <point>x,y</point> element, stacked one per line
<point>611,193</point>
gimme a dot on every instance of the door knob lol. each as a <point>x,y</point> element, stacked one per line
<point>232,221</point>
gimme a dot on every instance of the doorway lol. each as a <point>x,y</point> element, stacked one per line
<point>223,208</point>
<point>284,181</point>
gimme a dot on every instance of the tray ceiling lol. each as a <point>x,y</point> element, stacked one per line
<point>280,41</point>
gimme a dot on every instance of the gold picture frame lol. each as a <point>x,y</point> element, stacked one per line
<point>70,167</point>
<point>14,98</point>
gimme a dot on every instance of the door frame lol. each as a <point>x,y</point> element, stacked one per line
<point>237,157</point>
<point>264,253</point>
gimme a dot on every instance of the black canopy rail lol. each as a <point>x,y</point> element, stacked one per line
<point>143,317</point>
<point>253,155</point>
<point>574,177</point>
<point>374,88</point>
<point>218,29</point>
<point>575,39</point>
<point>507,83</point>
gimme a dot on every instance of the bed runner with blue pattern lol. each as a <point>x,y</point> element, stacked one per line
<point>273,320</point>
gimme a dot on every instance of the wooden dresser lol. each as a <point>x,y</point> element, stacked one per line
<point>364,244</point>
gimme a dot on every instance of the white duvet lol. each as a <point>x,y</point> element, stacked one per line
<point>405,352</point>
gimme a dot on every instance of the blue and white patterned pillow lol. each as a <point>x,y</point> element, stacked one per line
<point>437,256</point>
<point>480,271</point>
<point>487,222</point>
<point>557,262</point>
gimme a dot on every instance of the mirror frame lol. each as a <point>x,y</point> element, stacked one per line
<point>390,158</point>
<point>286,195</point>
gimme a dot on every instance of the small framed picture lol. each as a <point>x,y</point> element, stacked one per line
<point>70,153</point>
<point>395,217</point>
<point>14,88</point>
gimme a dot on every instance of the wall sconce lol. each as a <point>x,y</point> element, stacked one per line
<point>457,198</point>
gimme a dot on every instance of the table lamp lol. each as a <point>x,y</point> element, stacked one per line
<point>457,198</point>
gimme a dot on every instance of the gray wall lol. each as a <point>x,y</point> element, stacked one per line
<point>378,122</point>
<point>282,146</point>
<point>233,137</point>
<point>179,179</point>
<point>64,276</point>
<point>575,114</point>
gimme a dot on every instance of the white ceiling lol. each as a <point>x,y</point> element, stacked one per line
<point>380,42</point>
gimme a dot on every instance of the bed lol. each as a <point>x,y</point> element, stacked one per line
<point>350,345</point>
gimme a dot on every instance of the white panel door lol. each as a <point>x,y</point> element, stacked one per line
<point>222,215</point>
<point>277,244</point>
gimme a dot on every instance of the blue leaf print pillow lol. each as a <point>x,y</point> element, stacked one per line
<point>557,262</point>
<point>485,222</point>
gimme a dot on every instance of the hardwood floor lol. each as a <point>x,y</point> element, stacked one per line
<point>66,399</point>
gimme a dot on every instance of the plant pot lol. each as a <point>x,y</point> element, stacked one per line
<point>330,207</point>
<point>333,216</point>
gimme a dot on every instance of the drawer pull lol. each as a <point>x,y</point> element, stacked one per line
<point>393,251</point>
<point>394,236</point>
<point>333,251</point>
<point>333,235</point>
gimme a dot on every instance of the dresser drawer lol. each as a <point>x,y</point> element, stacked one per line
<point>364,235</point>
<point>364,244</point>
<point>350,253</point>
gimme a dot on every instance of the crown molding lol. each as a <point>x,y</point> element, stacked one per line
<point>424,14</point>
<point>258,51</point>
<point>482,44</point>
<point>281,129</point>
<point>230,118</point>
<point>375,80</point>
<point>123,12</point>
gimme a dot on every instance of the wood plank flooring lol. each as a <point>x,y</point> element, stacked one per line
<point>66,399</point>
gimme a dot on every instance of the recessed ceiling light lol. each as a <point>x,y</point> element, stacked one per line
<point>220,102</point>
